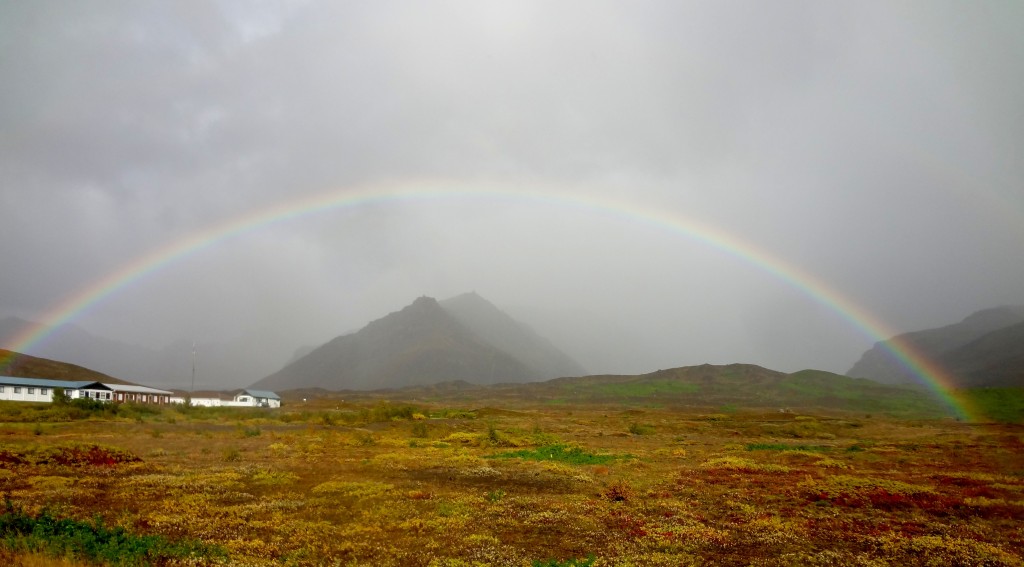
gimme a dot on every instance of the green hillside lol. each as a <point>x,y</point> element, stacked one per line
<point>1004,405</point>
<point>711,387</point>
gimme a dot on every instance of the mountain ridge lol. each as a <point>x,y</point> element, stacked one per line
<point>969,351</point>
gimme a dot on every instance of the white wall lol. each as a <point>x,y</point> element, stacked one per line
<point>21,393</point>
<point>206,402</point>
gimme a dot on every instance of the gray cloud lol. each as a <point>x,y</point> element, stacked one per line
<point>875,146</point>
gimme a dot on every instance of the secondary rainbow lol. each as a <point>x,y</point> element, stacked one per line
<point>87,298</point>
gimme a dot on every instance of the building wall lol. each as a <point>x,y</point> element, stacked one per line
<point>245,400</point>
<point>40,394</point>
<point>205,402</point>
<point>26,393</point>
<point>141,398</point>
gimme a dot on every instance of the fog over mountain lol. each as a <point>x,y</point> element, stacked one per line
<point>465,338</point>
<point>647,185</point>
<point>218,365</point>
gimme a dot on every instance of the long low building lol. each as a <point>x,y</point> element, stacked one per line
<point>139,394</point>
<point>41,390</point>
<point>244,398</point>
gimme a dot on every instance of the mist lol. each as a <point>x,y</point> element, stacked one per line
<point>872,146</point>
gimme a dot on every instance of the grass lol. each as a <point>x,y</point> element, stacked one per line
<point>645,389</point>
<point>587,562</point>
<point>517,483</point>
<point>786,447</point>
<point>1003,405</point>
<point>560,453</point>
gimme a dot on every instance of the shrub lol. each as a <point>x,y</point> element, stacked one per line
<point>742,465</point>
<point>495,495</point>
<point>420,430</point>
<point>68,455</point>
<point>590,559</point>
<point>942,550</point>
<point>618,491</point>
<point>367,489</point>
<point>365,439</point>
<point>785,447</point>
<point>95,542</point>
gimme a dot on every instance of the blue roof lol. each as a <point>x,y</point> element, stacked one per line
<point>44,383</point>
<point>262,394</point>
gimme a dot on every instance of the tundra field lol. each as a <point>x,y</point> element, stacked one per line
<point>388,483</point>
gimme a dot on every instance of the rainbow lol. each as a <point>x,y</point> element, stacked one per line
<point>71,307</point>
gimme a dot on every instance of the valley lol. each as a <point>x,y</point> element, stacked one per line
<point>381,480</point>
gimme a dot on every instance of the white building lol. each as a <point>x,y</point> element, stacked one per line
<point>245,398</point>
<point>205,402</point>
<point>41,390</point>
<point>256,398</point>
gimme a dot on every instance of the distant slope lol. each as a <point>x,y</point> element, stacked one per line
<point>421,344</point>
<point>25,366</point>
<point>711,387</point>
<point>493,326</point>
<point>748,385</point>
<point>962,348</point>
<point>994,360</point>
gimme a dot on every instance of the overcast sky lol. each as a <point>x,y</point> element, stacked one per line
<point>875,145</point>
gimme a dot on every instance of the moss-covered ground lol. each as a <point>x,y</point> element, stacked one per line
<point>409,485</point>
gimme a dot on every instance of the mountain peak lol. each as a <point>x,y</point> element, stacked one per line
<point>462,338</point>
<point>423,301</point>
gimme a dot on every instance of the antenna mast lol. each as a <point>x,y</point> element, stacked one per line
<point>193,369</point>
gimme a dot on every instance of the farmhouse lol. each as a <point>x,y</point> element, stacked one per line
<point>256,398</point>
<point>41,390</point>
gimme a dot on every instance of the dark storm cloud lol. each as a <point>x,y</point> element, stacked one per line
<point>872,145</point>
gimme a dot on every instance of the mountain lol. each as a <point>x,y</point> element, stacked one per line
<point>24,366</point>
<point>464,338</point>
<point>994,360</point>
<point>985,349</point>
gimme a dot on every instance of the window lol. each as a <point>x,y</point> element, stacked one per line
<point>1,389</point>
<point>32,391</point>
<point>44,391</point>
<point>17,389</point>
